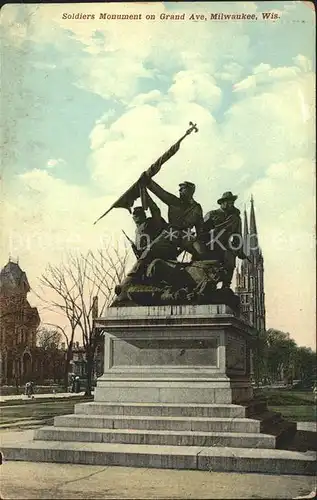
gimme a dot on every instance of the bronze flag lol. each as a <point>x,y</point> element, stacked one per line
<point>136,191</point>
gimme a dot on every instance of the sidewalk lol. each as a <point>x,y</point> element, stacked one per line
<point>307,426</point>
<point>28,480</point>
<point>22,397</point>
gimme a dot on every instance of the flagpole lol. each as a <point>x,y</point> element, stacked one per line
<point>128,198</point>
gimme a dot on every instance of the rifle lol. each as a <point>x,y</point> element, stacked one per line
<point>133,245</point>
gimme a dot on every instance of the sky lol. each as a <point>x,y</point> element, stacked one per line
<point>88,105</point>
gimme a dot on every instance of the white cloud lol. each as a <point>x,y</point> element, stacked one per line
<point>52,162</point>
<point>112,64</point>
<point>151,97</point>
<point>48,217</point>
<point>269,127</point>
<point>230,72</point>
<point>303,62</point>
<point>200,88</point>
<point>112,78</point>
<point>285,203</point>
<point>43,65</point>
<point>265,74</point>
<point>261,68</point>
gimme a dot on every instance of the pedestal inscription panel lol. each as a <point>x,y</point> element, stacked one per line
<point>236,353</point>
<point>157,352</point>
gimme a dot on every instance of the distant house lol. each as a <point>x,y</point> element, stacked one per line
<point>78,364</point>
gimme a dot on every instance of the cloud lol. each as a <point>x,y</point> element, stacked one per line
<point>43,65</point>
<point>110,78</point>
<point>269,126</point>
<point>50,217</point>
<point>200,88</point>
<point>151,97</point>
<point>285,202</point>
<point>230,72</point>
<point>112,68</point>
<point>52,162</point>
<point>265,74</point>
<point>253,125</point>
<point>303,62</point>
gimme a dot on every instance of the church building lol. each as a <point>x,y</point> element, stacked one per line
<point>250,274</point>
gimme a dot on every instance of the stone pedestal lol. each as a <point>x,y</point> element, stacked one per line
<point>176,394</point>
<point>175,354</point>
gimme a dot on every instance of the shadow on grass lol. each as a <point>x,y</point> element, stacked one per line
<point>302,441</point>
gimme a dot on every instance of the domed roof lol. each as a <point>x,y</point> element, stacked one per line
<point>12,277</point>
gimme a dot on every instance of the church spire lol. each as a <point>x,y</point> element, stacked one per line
<point>245,225</point>
<point>253,229</point>
<point>250,277</point>
<point>245,238</point>
<point>254,243</point>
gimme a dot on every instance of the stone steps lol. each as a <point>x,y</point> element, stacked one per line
<point>156,437</point>
<point>165,457</point>
<point>157,409</point>
<point>210,424</point>
<point>181,436</point>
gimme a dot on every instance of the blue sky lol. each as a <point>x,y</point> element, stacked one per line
<point>88,105</point>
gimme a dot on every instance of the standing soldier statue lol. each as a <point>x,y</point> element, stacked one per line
<point>224,229</point>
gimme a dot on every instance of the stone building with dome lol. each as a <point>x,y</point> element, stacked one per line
<point>18,326</point>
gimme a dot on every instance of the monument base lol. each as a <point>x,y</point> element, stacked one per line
<point>175,354</point>
<point>175,393</point>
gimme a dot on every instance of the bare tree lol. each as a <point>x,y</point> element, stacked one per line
<point>48,338</point>
<point>76,283</point>
<point>65,299</point>
<point>69,342</point>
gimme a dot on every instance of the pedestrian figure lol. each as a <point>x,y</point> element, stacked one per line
<point>31,390</point>
<point>73,382</point>
<point>77,384</point>
<point>27,389</point>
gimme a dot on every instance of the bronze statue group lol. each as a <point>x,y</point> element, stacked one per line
<point>212,242</point>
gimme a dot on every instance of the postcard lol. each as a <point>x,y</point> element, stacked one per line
<point>178,123</point>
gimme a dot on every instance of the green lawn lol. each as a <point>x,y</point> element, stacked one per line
<point>286,397</point>
<point>302,413</point>
<point>28,410</point>
<point>18,402</point>
<point>295,405</point>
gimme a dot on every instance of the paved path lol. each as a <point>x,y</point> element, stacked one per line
<point>27,480</point>
<point>22,397</point>
<point>307,426</point>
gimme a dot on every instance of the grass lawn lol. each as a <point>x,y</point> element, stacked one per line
<point>297,413</point>
<point>29,401</point>
<point>286,397</point>
<point>296,405</point>
<point>29,410</point>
